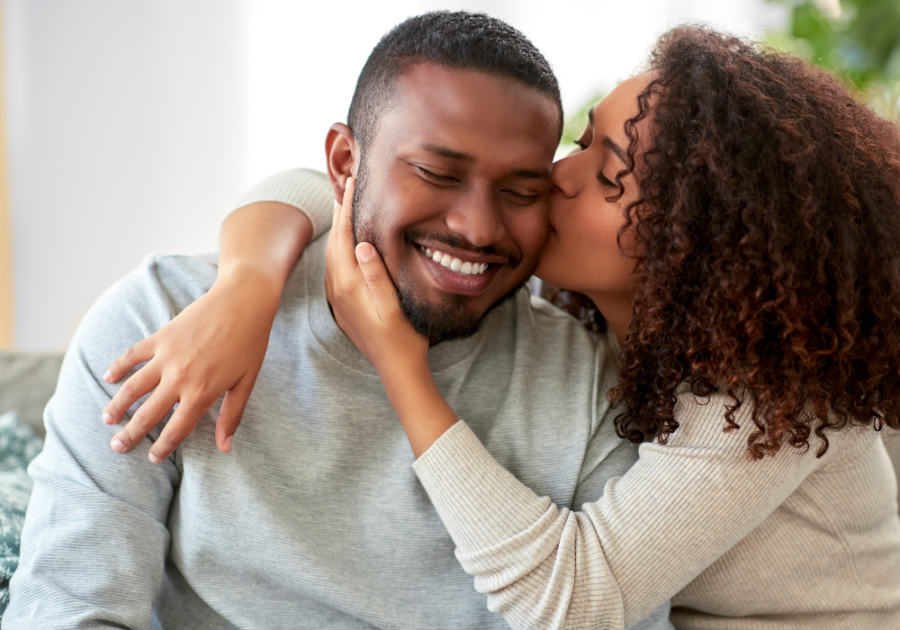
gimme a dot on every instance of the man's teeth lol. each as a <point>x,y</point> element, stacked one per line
<point>455,264</point>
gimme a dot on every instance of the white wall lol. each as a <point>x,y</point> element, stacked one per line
<point>125,130</point>
<point>132,124</point>
<point>301,62</point>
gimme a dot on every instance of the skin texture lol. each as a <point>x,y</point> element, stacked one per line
<point>460,162</point>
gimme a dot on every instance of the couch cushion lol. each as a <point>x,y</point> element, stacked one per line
<point>26,383</point>
<point>18,446</point>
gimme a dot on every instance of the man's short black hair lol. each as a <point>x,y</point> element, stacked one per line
<point>459,41</point>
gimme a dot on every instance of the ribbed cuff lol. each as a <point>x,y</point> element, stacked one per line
<point>307,190</point>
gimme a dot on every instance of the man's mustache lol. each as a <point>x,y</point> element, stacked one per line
<point>413,235</point>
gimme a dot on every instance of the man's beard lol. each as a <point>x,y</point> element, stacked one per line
<point>450,319</point>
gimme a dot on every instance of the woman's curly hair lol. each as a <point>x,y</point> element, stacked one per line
<point>767,240</point>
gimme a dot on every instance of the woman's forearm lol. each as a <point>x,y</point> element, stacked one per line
<point>274,222</point>
<point>616,559</point>
<point>264,240</point>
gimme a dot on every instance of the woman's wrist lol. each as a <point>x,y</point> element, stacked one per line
<point>262,285</point>
<point>419,404</point>
<point>404,373</point>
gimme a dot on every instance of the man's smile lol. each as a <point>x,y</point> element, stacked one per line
<point>459,272</point>
<point>466,268</point>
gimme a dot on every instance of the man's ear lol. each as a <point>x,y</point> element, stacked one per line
<point>342,155</point>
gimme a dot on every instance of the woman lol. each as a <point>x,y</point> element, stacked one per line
<point>733,217</point>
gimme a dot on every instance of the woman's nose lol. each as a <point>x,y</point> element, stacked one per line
<point>563,176</point>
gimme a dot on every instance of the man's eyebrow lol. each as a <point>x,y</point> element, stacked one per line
<point>615,148</point>
<point>444,152</point>
<point>524,174</point>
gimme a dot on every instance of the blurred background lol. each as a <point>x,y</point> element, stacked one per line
<point>128,127</point>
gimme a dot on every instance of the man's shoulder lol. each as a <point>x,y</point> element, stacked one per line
<point>544,309</point>
<point>178,279</point>
<point>550,329</point>
<point>562,359</point>
<point>182,278</point>
<point>146,299</point>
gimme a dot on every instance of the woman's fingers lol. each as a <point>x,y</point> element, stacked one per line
<point>179,426</point>
<point>341,274</point>
<point>346,240</point>
<point>144,420</point>
<point>231,412</point>
<point>140,352</point>
<point>340,238</point>
<point>384,294</point>
<point>136,387</point>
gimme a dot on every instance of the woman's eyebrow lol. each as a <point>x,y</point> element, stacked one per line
<point>615,148</point>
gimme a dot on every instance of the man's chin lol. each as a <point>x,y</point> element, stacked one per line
<point>449,320</point>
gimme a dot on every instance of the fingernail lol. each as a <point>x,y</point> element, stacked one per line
<point>108,376</point>
<point>227,444</point>
<point>107,418</point>
<point>154,458</point>
<point>118,445</point>
<point>364,251</point>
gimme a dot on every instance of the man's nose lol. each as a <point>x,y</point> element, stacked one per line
<point>478,219</point>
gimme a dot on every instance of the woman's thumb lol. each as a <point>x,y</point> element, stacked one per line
<point>374,272</point>
<point>365,252</point>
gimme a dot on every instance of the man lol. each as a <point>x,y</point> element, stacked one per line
<point>316,518</point>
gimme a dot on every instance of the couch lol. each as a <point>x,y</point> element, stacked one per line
<point>27,381</point>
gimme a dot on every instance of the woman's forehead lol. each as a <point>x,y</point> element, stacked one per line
<point>621,104</point>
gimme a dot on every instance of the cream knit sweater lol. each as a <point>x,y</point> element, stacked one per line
<point>791,541</point>
<point>787,542</point>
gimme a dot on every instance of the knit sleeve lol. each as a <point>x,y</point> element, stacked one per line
<point>307,190</point>
<point>678,509</point>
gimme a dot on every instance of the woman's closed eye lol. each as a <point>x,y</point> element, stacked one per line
<point>604,180</point>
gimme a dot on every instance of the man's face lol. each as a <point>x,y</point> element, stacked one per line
<point>453,192</point>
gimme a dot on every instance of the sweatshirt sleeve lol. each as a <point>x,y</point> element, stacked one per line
<point>95,539</point>
<point>622,556</point>
<point>307,190</point>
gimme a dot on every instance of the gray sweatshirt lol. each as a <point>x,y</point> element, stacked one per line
<point>316,519</point>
